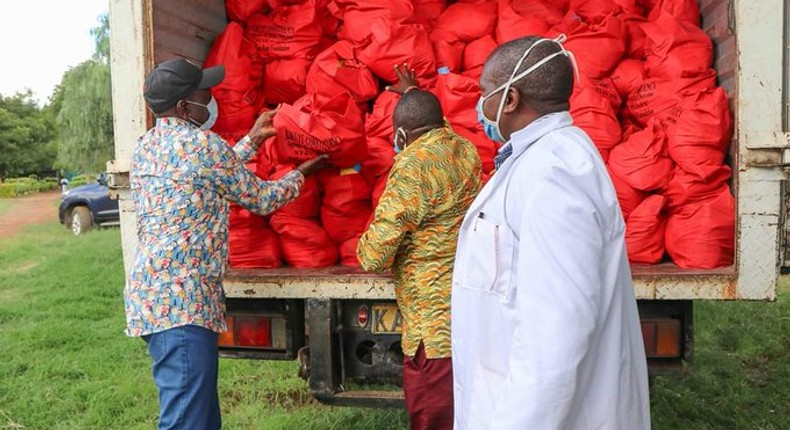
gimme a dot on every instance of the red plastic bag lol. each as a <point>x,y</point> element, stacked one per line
<point>309,200</point>
<point>238,96</point>
<point>699,130</point>
<point>645,230</point>
<point>486,148</point>
<point>627,76</point>
<point>236,116</point>
<point>284,80</point>
<point>605,87</point>
<point>468,21</point>
<point>477,52</point>
<point>304,243</point>
<point>458,96</point>
<point>311,127</point>
<point>392,43</point>
<point>447,50</point>
<point>656,97</point>
<point>592,10</point>
<point>636,36</point>
<point>429,10</point>
<point>267,158</point>
<point>346,205</point>
<point>686,188</point>
<point>378,130</point>
<point>243,70</point>
<point>702,235</point>
<point>337,70</point>
<point>628,196</point>
<point>348,252</point>
<point>287,32</point>
<point>525,18</point>
<point>597,47</point>
<point>379,122</point>
<point>358,11</point>
<point>676,49</point>
<point>642,161</point>
<point>594,114</point>
<point>242,10</point>
<point>684,10</point>
<point>252,243</point>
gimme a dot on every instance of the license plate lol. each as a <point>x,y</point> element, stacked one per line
<point>386,319</point>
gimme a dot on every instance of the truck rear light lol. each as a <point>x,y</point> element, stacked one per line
<point>226,337</point>
<point>362,316</point>
<point>247,331</point>
<point>253,331</point>
<point>662,338</point>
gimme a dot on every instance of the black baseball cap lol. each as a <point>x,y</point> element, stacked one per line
<point>175,79</point>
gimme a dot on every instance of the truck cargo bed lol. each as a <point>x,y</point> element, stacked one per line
<point>662,281</point>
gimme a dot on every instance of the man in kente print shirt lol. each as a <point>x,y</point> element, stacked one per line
<point>434,179</point>
<point>183,178</point>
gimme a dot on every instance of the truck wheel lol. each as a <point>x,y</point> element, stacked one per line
<point>80,220</point>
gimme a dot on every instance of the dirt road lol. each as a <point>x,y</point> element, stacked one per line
<point>35,209</point>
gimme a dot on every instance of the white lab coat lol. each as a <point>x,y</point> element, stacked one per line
<point>545,328</point>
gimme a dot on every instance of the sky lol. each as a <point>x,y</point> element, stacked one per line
<point>42,39</point>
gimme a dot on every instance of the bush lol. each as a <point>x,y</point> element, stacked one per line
<point>15,187</point>
<point>81,180</point>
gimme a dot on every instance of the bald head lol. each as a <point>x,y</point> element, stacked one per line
<point>545,90</point>
<point>418,109</point>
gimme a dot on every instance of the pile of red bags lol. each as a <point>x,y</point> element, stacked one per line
<point>666,131</point>
<point>646,96</point>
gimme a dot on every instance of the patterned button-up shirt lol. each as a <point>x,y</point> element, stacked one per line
<point>182,181</point>
<point>432,184</point>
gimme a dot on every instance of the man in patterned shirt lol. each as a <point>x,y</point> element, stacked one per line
<point>433,181</point>
<point>183,178</point>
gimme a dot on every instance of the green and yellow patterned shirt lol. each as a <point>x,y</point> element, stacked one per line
<point>430,187</point>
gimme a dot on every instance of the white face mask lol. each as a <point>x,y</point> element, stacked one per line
<point>213,114</point>
<point>492,127</point>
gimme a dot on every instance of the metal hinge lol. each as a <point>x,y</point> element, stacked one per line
<point>117,176</point>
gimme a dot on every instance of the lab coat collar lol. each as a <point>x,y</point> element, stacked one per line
<point>519,142</point>
<point>524,138</point>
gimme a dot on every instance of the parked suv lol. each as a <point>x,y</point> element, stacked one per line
<point>88,206</point>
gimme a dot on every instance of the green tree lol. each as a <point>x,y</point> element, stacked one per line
<point>83,107</point>
<point>27,136</point>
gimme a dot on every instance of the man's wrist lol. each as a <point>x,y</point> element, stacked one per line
<point>256,139</point>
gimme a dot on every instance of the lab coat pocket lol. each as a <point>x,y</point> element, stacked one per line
<point>488,258</point>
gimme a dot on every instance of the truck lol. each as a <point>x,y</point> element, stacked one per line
<point>341,326</point>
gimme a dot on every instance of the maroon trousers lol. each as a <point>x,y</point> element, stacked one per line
<point>428,386</point>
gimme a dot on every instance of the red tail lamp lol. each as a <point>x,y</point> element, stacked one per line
<point>662,338</point>
<point>247,331</point>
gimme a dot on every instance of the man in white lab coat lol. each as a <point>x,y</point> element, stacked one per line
<point>545,329</point>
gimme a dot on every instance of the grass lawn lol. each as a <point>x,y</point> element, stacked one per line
<point>65,363</point>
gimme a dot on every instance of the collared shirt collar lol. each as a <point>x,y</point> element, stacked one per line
<point>172,121</point>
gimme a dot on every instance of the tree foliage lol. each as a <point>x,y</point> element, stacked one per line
<point>27,136</point>
<point>83,107</point>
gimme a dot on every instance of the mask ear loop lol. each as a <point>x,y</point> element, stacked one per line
<point>568,54</point>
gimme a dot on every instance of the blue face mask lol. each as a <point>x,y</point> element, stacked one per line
<point>399,134</point>
<point>491,128</point>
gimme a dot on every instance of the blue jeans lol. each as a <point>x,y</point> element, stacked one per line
<point>185,371</point>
